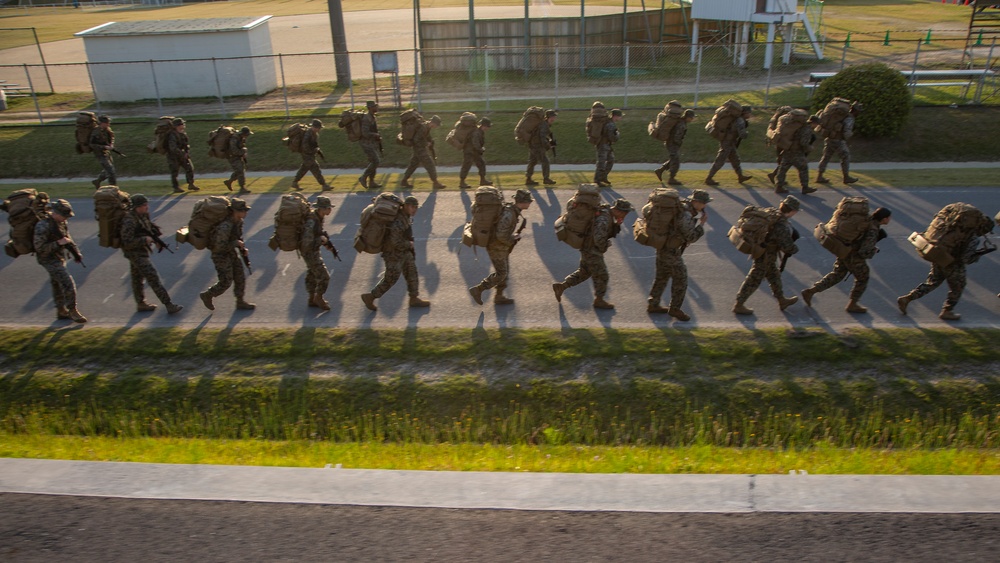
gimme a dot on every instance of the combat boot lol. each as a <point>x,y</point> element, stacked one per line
<point>558,288</point>
<point>372,184</point>
<point>477,294</point>
<point>741,309</point>
<point>229,184</point>
<point>405,182</point>
<point>243,191</point>
<point>484,182</point>
<point>439,186</point>
<point>770,176</point>
<point>786,302</point>
<point>548,181</point>
<point>902,302</point>
<point>674,181</point>
<point>97,184</point>
<point>462,185</point>
<point>206,298</point>
<point>193,188</point>
<point>678,314</point>
<point>600,303</point>
<point>245,305</point>
<point>807,296</point>
<point>320,302</point>
<point>79,318</point>
<point>850,179</point>
<point>144,307</point>
<point>854,307</point>
<point>325,187</point>
<point>62,313</point>
<point>741,177</point>
<point>416,301</point>
<point>808,190</point>
<point>655,307</point>
<point>178,190</point>
<point>173,308</point>
<point>820,179</point>
<point>781,188</point>
<point>369,301</point>
<point>295,185</point>
<point>363,180</point>
<point>710,182</point>
<point>529,182</point>
<point>946,314</point>
<point>501,299</point>
<point>659,173</point>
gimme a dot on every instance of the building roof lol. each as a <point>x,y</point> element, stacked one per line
<point>159,27</point>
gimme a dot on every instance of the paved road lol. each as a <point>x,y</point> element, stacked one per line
<point>447,269</point>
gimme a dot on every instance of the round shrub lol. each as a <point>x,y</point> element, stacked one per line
<point>881,89</point>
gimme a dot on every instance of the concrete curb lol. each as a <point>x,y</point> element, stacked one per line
<point>511,491</point>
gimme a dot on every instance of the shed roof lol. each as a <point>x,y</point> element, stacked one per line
<point>159,27</point>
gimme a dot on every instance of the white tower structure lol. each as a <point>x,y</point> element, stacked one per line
<point>779,15</point>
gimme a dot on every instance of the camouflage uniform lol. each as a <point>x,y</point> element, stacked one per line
<point>179,156</point>
<point>370,143</point>
<point>500,247</point>
<point>397,252</point>
<point>954,274</point>
<point>317,276</point>
<point>421,153</point>
<point>673,163</point>
<point>856,264</point>
<point>836,144</point>
<point>226,257</point>
<point>310,148</point>
<point>796,156</point>
<point>779,239</point>
<point>100,138</point>
<point>472,153</point>
<point>729,147</point>
<point>605,152</point>
<point>592,254</point>
<point>670,261</point>
<point>52,256</point>
<point>238,159</point>
<point>538,147</point>
<point>134,230</point>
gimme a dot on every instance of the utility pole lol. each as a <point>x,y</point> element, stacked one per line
<point>341,60</point>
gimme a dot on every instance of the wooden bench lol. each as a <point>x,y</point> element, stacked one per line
<point>915,78</point>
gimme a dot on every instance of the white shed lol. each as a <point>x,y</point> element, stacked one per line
<point>779,15</point>
<point>207,57</point>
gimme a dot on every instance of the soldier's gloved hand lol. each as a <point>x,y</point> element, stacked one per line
<point>323,240</point>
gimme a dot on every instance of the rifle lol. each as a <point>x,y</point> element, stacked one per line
<point>245,255</point>
<point>552,145</point>
<point>118,152</point>
<point>784,257</point>
<point>155,234</point>
<point>380,149</point>
<point>517,233</point>
<point>69,246</point>
<point>430,147</point>
<point>329,246</point>
<point>322,156</point>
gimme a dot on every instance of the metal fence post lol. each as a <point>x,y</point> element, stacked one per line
<point>486,69</point>
<point>218,87</point>
<point>34,96</point>
<point>284,86</point>
<point>90,77</point>
<point>156,87</point>
<point>42,57</point>
<point>767,89</point>
<point>913,78</point>
<point>697,75</point>
<point>627,52</point>
<point>557,78</point>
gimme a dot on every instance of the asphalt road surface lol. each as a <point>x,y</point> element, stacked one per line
<point>447,269</point>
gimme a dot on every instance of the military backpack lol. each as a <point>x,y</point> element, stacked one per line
<point>723,119</point>
<point>773,123</point>
<point>293,136</point>
<point>573,226</point>
<point>528,124</point>
<point>831,117</point>
<point>24,209</point>
<point>110,206</point>
<point>205,216</point>
<point>375,221</point>
<point>86,122</point>
<point>164,125</point>
<point>659,224</point>
<point>666,120</point>
<point>463,128</point>
<point>410,122</point>
<point>289,221</point>
<point>752,227</point>
<point>596,121</point>
<point>783,134</point>
<point>950,233</point>
<point>350,122</point>
<point>486,210</point>
<point>218,141</point>
<point>845,228</point>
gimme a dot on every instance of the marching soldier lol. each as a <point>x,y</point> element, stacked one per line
<point>371,143</point>
<point>836,144</point>
<point>238,160</point>
<point>673,163</point>
<point>729,148</point>
<point>856,264</point>
<point>315,238</point>
<point>400,258</point>
<point>538,147</point>
<point>796,155</point>
<point>138,234</point>
<point>779,240</point>
<point>310,148</point>
<point>228,252</point>
<point>505,236</point>
<point>179,156</point>
<point>670,261</point>
<point>606,226</point>
<point>52,242</point>
<point>102,141</point>
<point>605,152</point>
<point>423,149</point>
<point>472,153</point>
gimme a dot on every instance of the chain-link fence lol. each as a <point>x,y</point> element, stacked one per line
<point>485,79</point>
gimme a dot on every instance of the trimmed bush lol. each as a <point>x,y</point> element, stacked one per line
<point>880,88</point>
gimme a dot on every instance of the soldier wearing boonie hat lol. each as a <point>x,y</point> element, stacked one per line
<point>606,226</point>
<point>179,156</point>
<point>137,234</point>
<point>52,244</point>
<point>472,153</point>
<point>371,144</point>
<point>238,160</point>
<point>228,252</point>
<point>670,267</point>
<point>314,238</point>
<point>310,149</point>
<point>423,154</point>
<point>399,255</point>
<point>780,239</point>
<point>506,234</point>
